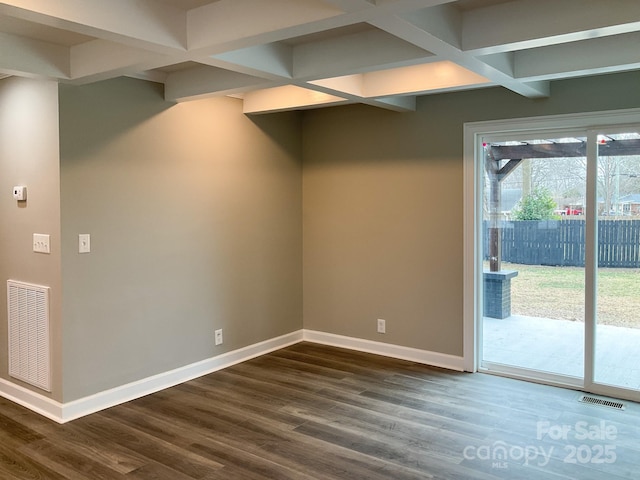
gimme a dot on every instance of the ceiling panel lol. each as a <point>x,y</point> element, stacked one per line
<point>335,48</point>
<point>36,31</point>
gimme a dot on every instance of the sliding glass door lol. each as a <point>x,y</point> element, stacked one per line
<point>558,246</point>
<point>533,255</point>
<point>617,333</point>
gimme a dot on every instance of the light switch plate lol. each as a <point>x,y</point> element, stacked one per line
<point>41,243</point>
<point>84,243</point>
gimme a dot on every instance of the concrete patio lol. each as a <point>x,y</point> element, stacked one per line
<point>557,346</point>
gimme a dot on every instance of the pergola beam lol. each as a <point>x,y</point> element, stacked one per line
<point>563,150</point>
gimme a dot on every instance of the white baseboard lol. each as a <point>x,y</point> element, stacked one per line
<point>131,391</point>
<point>426,357</point>
<point>32,400</point>
<point>65,412</point>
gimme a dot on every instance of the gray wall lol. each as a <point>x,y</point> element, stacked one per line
<point>383,205</point>
<point>29,156</point>
<point>194,212</point>
<point>199,221</point>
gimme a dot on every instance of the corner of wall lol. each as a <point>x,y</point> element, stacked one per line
<point>29,136</point>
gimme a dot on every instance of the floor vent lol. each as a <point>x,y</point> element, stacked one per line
<point>591,400</point>
<point>29,358</point>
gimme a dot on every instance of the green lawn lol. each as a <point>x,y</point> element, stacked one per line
<point>558,292</point>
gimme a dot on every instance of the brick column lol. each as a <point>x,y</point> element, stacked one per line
<point>497,293</point>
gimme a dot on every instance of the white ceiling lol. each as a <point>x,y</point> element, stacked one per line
<point>291,54</point>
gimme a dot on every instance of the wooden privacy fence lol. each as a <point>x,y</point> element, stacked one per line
<point>562,242</point>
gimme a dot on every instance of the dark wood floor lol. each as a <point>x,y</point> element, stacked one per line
<point>316,412</point>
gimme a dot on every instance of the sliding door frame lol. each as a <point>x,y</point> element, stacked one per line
<point>590,124</point>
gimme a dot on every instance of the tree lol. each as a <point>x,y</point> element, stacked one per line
<point>538,205</point>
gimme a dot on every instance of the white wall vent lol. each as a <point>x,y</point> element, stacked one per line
<point>29,358</point>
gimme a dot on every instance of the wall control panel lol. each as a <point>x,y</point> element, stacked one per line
<point>20,193</point>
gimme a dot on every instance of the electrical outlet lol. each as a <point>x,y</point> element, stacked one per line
<point>218,335</point>
<point>382,326</point>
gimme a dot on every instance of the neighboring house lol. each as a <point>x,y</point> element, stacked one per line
<point>630,204</point>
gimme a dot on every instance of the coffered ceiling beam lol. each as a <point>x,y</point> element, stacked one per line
<point>352,5</point>
<point>142,23</point>
<point>420,79</point>
<point>287,97</point>
<point>411,32</point>
<point>274,60</point>
<point>595,56</point>
<point>360,52</point>
<point>397,104</point>
<point>443,22</point>
<point>205,81</point>
<point>33,58</point>
<point>102,59</point>
<point>227,24</point>
<point>376,52</point>
<point>538,23</point>
<point>353,87</point>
